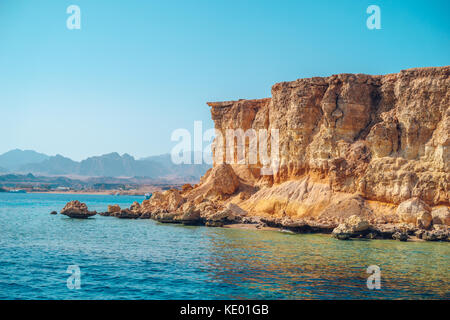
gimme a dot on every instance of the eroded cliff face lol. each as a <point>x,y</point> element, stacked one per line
<point>349,144</point>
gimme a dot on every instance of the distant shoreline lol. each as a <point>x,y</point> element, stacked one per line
<point>92,193</point>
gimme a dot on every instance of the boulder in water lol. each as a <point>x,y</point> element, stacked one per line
<point>78,210</point>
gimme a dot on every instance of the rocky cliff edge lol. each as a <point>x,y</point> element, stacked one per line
<point>374,147</point>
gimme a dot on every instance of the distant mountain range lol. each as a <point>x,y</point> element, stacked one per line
<point>108,165</point>
<point>14,159</point>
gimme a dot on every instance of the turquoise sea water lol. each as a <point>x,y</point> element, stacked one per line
<point>142,259</point>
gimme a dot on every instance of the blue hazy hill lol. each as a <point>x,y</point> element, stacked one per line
<point>107,165</point>
<point>14,159</point>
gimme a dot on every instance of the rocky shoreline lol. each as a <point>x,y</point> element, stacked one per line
<point>353,228</point>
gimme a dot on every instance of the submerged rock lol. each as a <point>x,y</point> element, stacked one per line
<point>78,210</point>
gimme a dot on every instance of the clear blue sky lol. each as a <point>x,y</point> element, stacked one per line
<point>137,70</point>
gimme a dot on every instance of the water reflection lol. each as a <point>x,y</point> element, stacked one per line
<point>267,264</point>
<point>142,259</point>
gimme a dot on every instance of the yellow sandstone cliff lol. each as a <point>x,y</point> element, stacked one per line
<point>350,144</point>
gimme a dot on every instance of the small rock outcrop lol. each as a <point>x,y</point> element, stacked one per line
<point>353,227</point>
<point>190,214</point>
<point>114,209</point>
<point>127,214</point>
<point>134,212</point>
<point>167,201</point>
<point>135,207</point>
<point>78,210</point>
<point>401,236</point>
<point>437,233</point>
